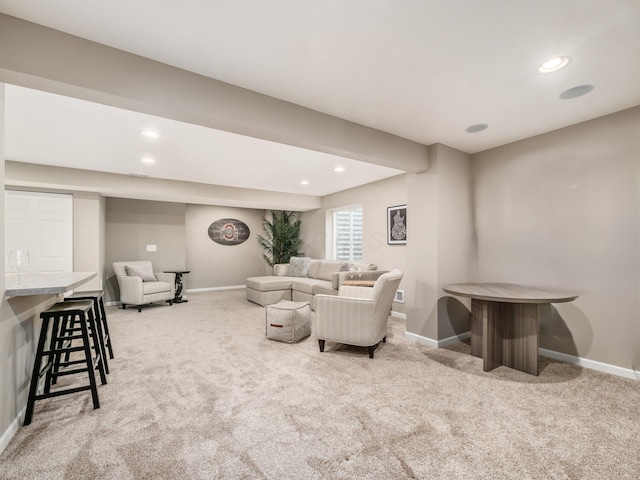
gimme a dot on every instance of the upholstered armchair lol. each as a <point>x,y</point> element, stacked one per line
<point>140,285</point>
<point>357,315</point>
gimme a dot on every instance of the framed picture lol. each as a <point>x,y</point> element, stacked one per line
<point>397,225</point>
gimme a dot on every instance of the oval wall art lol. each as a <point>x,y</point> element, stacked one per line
<point>228,231</point>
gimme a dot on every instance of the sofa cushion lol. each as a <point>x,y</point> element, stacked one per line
<point>299,266</point>
<point>145,272</point>
<point>327,268</point>
<point>155,287</point>
<point>323,287</point>
<point>304,284</point>
<point>313,268</point>
<point>269,283</point>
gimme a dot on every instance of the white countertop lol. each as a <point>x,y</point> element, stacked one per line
<point>44,283</point>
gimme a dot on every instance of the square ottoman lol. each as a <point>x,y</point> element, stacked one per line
<point>288,321</point>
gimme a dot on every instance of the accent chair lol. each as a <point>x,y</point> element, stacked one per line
<point>140,285</point>
<point>357,315</point>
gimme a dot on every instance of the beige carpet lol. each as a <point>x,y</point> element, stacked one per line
<point>197,392</point>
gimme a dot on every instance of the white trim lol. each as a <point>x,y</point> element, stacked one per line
<point>563,357</point>
<point>191,290</point>
<point>11,430</point>
<point>445,342</point>
<point>401,316</point>
<point>590,364</point>
<point>429,342</point>
<point>211,289</point>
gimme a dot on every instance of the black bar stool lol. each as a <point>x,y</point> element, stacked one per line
<point>64,339</point>
<point>100,315</point>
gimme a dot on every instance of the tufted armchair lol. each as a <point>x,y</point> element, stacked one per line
<point>139,285</point>
<point>357,315</point>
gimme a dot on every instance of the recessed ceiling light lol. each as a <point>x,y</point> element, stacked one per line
<point>148,161</point>
<point>150,134</point>
<point>554,64</point>
<point>338,169</point>
<point>304,182</point>
<point>478,127</point>
<point>576,92</point>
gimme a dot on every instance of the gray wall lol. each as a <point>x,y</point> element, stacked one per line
<point>374,199</point>
<point>562,210</point>
<point>19,326</point>
<point>214,265</point>
<point>441,245</point>
<point>180,233</point>
<point>88,237</point>
<point>131,225</point>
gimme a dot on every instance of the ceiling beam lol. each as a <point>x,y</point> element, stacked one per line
<point>38,57</point>
<point>19,175</point>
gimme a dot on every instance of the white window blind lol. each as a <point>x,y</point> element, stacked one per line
<point>347,233</point>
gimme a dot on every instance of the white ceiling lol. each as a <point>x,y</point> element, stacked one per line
<point>421,69</point>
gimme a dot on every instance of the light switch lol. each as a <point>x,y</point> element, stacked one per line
<point>152,248</point>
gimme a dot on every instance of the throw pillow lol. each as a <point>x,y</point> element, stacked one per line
<point>143,271</point>
<point>299,266</point>
<point>344,267</point>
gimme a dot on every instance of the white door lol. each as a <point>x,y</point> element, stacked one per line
<point>41,223</point>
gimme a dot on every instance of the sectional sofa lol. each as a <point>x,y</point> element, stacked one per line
<point>290,282</point>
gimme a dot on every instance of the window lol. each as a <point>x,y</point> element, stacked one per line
<point>347,234</point>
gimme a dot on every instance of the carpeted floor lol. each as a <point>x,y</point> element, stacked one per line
<point>197,392</point>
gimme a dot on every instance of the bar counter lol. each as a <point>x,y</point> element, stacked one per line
<point>44,283</point>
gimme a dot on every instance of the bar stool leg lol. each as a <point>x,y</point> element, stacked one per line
<point>56,342</point>
<point>105,326</point>
<point>35,377</point>
<point>97,346</point>
<point>98,323</point>
<point>88,356</point>
<point>69,325</point>
<point>100,345</point>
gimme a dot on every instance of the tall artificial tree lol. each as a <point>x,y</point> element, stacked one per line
<point>281,239</point>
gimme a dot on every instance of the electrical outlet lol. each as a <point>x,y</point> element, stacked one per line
<point>399,296</point>
<point>152,248</point>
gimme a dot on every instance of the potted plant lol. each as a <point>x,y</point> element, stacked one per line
<point>281,239</point>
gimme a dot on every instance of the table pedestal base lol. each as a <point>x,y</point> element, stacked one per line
<point>505,334</point>
<point>178,298</point>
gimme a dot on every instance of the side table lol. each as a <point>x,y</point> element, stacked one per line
<point>359,283</point>
<point>178,297</point>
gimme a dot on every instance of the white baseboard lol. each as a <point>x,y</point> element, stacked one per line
<point>11,430</point>
<point>401,316</point>
<point>211,289</point>
<point>591,364</point>
<point>563,357</point>
<point>430,342</point>
<point>191,290</point>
